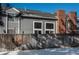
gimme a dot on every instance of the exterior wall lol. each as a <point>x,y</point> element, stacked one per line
<point>73,18</point>
<point>13,25</point>
<point>27,25</point>
<point>2,28</point>
<point>60,23</point>
<point>64,27</point>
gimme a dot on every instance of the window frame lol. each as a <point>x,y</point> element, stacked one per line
<point>49,29</point>
<point>38,29</point>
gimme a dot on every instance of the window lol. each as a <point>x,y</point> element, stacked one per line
<point>12,17</point>
<point>11,31</point>
<point>49,27</point>
<point>37,27</point>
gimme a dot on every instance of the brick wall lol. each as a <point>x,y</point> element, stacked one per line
<point>61,21</point>
<point>72,17</point>
<point>65,27</point>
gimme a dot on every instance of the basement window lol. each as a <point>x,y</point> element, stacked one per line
<point>37,27</point>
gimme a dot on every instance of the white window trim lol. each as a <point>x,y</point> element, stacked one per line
<point>49,29</point>
<point>6,24</point>
<point>38,29</point>
<point>18,26</point>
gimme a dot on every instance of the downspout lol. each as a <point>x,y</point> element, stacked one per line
<point>18,26</point>
<point>6,23</point>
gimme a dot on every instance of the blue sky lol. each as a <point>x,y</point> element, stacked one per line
<point>49,7</point>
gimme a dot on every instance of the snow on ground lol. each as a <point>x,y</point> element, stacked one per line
<point>53,51</point>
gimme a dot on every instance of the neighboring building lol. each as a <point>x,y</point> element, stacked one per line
<point>66,23</point>
<point>29,22</point>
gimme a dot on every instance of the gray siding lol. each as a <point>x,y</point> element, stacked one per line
<point>2,28</point>
<point>10,25</point>
<point>27,25</point>
<point>13,25</point>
